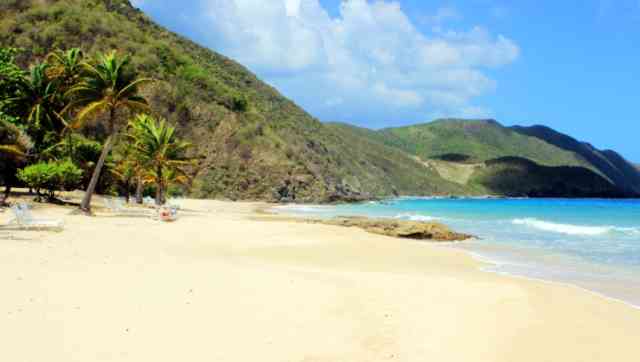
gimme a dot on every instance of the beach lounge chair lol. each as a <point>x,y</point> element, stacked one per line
<point>118,206</point>
<point>25,220</point>
<point>149,201</point>
<point>174,204</point>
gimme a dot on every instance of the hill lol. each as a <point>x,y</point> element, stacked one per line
<point>609,163</point>
<point>481,154</point>
<point>256,143</point>
<point>469,159</point>
<point>514,176</point>
<point>475,141</point>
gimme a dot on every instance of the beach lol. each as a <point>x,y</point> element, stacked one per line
<point>227,283</point>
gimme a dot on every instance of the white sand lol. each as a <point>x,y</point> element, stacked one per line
<point>220,286</point>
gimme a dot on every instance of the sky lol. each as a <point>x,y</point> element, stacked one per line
<point>573,65</point>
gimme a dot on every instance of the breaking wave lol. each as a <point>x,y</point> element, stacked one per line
<point>570,229</point>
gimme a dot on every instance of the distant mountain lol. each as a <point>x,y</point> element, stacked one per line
<point>609,163</point>
<point>485,157</point>
<point>258,145</point>
<point>476,141</point>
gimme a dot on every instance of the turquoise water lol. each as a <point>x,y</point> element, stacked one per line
<point>594,244</point>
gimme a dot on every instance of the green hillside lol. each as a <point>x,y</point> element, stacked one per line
<point>607,162</point>
<point>396,169</point>
<point>256,144</point>
<point>490,158</point>
<point>475,141</point>
<point>514,176</point>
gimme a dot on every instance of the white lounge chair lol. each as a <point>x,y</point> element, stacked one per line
<point>118,206</point>
<point>25,220</point>
<point>174,203</point>
<point>149,201</point>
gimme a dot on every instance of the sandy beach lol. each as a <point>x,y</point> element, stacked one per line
<point>225,284</point>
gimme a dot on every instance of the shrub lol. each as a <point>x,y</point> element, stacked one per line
<point>240,104</point>
<point>51,176</point>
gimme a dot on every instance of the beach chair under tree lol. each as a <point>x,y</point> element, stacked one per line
<point>25,220</point>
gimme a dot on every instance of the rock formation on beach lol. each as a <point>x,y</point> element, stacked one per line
<point>399,228</point>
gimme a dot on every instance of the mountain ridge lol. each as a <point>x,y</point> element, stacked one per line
<point>478,149</point>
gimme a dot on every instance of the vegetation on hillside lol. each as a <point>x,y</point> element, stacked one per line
<point>608,163</point>
<point>475,141</point>
<point>517,177</point>
<point>463,161</point>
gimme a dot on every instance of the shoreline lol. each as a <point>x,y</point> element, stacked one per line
<point>488,263</point>
<point>494,263</point>
<point>217,280</point>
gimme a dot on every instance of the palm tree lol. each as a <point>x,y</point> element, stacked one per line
<point>37,103</point>
<point>129,170</point>
<point>65,66</point>
<point>163,154</point>
<point>14,148</point>
<point>106,87</point>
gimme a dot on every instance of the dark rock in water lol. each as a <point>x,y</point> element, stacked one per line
<point>401,229</point>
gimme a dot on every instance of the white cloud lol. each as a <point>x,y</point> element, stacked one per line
<point>371,57</point>
<point>441,15</point>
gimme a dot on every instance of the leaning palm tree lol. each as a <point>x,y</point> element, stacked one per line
<point>107,87</point>
<point>163,154</point>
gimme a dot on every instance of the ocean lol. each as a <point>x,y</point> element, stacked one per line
<point>592,244</point>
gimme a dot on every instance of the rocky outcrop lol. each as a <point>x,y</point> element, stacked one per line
<point>400,228</point>
<point>344,193</point>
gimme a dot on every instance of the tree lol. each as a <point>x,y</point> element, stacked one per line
<point>65,67</point>
<point>51,176</point>
<point>36,104</point>
<point>10,77</point>
<point>107,87</point>
<point>162,153</point>
<point>129,170</point>
<point>83,151</point>
<point>14,149</point>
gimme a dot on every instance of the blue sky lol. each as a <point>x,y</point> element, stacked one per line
<point>571,65</point>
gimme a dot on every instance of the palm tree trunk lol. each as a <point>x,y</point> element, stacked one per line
<point>127,190</point>
<point>86,201</point>
<point>139,190</point>
<point>159,190</point>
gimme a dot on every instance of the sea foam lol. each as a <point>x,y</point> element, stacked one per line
<point>570,229</point>
<point>414,217</point>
